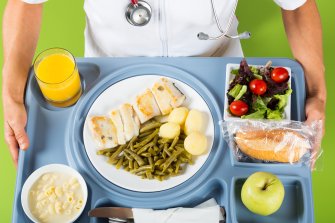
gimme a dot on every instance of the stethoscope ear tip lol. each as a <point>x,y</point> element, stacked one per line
<point>245,35</point>
<point>203,36</point>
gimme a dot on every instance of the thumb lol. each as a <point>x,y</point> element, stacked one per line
<point>21,137</point>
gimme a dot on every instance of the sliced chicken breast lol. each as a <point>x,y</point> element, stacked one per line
<point>167,95</point>
<point>117,120</point>
<point>131,123</point>
<point>146,106</point>
<point>103,131</point>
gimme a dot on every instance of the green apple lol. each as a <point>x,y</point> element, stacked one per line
<point>262,193</point>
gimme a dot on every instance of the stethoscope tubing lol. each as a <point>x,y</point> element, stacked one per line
<point>201,35</point>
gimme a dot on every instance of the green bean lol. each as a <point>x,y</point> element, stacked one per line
<point>172,158</point>
<point>146,154</point>
<point>170,170</point>
<point>142,168</point>
<point>127,156</point>
<point>156,158</point>
<point>126,169</point>
<point>119,163</point>
<point>180,145</point>
<point>167,152</point>
<point>182,136</point>
<point>104,151</point>
<point>189,158</point>
<point>155,139</point>
<point>112,161</point>
<point>131,142</point>
<point>131,164</point>
<point>156,149</point>
<point>144,134</point>
<point>152,151</point>
<point>135,165</point>
<point>150,126</point>
<point>117,152</point>
<point>163,141</point>
<point>132,147</point>
<point>180,141</point>
<point>151,162</point>
<point>183,159</point>
<point>157,178</point>
<point>159,162</point>
<point>147,139</point>
<point>177,166</point>
<point>138,159</point>
<point>108,154</point>
<point>174,142</point>
<point>125,162</point>
<point>140,173</point>
<point>145,147</point>
<point>187,154</point>
<point>160,173</point>
<point>171,150</point>
<point>148,174</point>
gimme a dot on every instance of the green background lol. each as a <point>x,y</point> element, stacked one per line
<point>63,25</point>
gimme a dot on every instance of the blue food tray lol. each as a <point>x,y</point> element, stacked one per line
<point>56,137</point>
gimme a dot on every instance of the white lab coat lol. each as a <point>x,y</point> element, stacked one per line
<point>172,30</point>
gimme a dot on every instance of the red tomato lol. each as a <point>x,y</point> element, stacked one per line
<point>279,74</point>
<point>238,108</point>
<point>258,86</point>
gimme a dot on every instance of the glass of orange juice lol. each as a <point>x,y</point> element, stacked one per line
<point>57,75</point>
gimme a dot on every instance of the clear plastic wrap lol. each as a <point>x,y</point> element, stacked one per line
<point>274,141</point>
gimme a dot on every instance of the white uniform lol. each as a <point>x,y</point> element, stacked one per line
<point>172,30</point>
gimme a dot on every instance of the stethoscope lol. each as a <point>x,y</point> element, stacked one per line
<point>138,13</point>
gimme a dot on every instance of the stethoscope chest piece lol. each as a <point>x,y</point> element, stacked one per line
<point>138,14</point>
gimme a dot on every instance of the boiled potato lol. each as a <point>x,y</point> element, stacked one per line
<point>196,143</point>
<point>194,122</point>
<point>178,115</point>
<point>169,130</point>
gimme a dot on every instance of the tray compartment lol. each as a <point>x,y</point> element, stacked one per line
<point>293,209</point>
<point>89,73</point>
<point>250,162</point>
<point>215,189</point>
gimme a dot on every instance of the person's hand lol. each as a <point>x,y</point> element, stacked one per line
<point>15,120</point>
<point>315,112</point>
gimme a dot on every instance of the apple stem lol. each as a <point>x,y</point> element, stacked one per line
<point>269,183</point>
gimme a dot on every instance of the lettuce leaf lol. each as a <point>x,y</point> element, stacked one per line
<point>259,104</point>
<point>283,99</point>
<point>234,71</point>
<point>241,93</point>
<point>255,115</point>
<point>236,89</point>
<point>274,114</point>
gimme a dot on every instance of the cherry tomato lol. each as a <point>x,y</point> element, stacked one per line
<point>258,86</point>
<point>279,74</point>
<point>238,108</point>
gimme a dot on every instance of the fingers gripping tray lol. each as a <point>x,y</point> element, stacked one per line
<point>56,136</point>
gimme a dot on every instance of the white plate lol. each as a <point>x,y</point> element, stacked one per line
<point>125,91</point>
<point>229,77</point>
<point>54,168</point>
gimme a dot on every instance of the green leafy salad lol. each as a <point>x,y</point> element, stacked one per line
<point>259,92</point>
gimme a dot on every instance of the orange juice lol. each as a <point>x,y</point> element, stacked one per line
<point>58,77</point>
